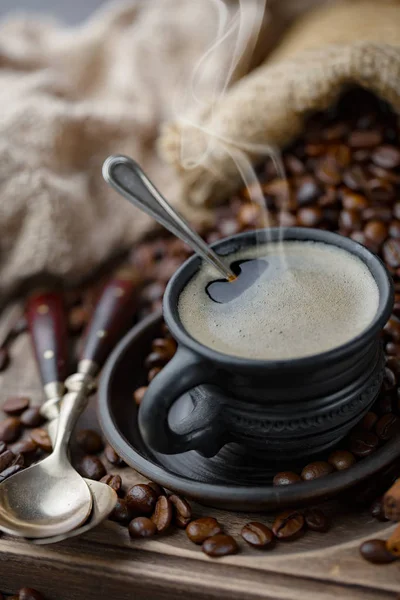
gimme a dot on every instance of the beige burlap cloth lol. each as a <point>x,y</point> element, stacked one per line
<point>72,96</point>
<point>341,43</point>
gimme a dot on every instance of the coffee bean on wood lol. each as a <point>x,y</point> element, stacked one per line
<point>183,511</point>
<point>316,520</point>
<point>203,528</point>
<point>15,405</point>
<point>10,429</point>
<point>142,527</point>
<point>162,515</point>
<point>114,481</point>
<point>288,525</point>
<point>258,535</point>
<point>141,499</point>
<point>375,551</point>
<point>32,417</point>
<point>91,467</point>
<point>220,545</point>
<point>121,512</point>
<point>89,441</point>
<point>42,439</point>
<point>113,457</point>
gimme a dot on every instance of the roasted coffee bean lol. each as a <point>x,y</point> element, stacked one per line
<point>89,441</point>
<point>286,478</point>
<point>163,513</point>
<point>355,178</point>
<point>310,217</point>
<point>220,545</point>
<point>10,429</point>
<point>329,171</point>
<point>307,191</point>
<point>183,511</point>
<point>392,328</point>
<point>41,438</point>
<point>156,359</point>
<point>391,252</point>
<point>29,594</point>
<point>112,456</point>
<point>258,535</point>
<point>377,212</point>
<point>353,201</point>
<point>153,373</point>
<point>335,132</point>
<point>15,405</point>
<point>363,443</point>
<point>166,345</point>
<point>6,459</point>
<point>377,511</point>
<point>202,529</point>
<point>392,349</point>
<point>32,417</point>
<point>228,227</point>
<point>249,215</point>
<point>387,426</point>
<point>389,381</point>
<point>121,512</point>
<point>376,231</point>
<point>25,447</point>
<point>288,525</point>
<point>341,459</point>
<point>157,488</point>
<point>11,470</point>
<point>385,404</point>
<point>386,156</point>
<point>142,527</point>
<point>368,421</point>
<point>294,165</point>
<point>316,520</point>
<point>385,174</point>
<point>379,190</point>
<point>394,229</point>
<point>141,499</point>
<point>364,139</point>
<point>349,220</point>
<point>319,468</point>
<point>114,481</point>
<point>375,551</point>
<point>91,467</point>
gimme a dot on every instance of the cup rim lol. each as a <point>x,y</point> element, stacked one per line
<point>235,242</point>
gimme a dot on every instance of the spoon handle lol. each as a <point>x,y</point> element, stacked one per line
<point>115,307</point>
<point>46,317</point>
<point>128,179</point>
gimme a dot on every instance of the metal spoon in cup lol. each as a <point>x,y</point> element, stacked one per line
<point>128,179</point>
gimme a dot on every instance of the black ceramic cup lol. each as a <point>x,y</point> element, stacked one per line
<point>281,410</point>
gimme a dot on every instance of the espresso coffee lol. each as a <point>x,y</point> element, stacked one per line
<point>309,297</point>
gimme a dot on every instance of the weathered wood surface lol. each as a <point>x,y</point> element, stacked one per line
<point>106,564</point>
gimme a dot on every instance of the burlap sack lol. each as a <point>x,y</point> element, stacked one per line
<point>72,96</point>
<point>343,43</point>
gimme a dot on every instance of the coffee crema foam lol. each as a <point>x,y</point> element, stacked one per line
<point>312,297</point>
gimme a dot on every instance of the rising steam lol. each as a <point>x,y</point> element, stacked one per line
<point>236,36</point>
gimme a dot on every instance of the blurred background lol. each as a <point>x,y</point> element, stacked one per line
<point>70,12</point>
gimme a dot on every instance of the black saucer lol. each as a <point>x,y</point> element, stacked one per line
<point>213,481</point>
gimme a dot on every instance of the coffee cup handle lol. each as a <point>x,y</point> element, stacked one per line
<point>202,430</point>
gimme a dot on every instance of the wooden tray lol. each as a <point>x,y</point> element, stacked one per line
<point>106,564</point>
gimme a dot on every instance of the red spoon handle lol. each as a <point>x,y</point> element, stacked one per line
<point>45,313</point>
<point>115,307</point>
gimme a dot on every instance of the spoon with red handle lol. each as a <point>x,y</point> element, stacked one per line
<point>46,317</point>
<point>50,498</point>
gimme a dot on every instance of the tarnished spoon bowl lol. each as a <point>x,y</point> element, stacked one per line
<point>104,500</point>
<point>49,498</point>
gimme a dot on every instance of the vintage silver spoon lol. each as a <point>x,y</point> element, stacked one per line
<point>128,179</point>
<point>49,498</point>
